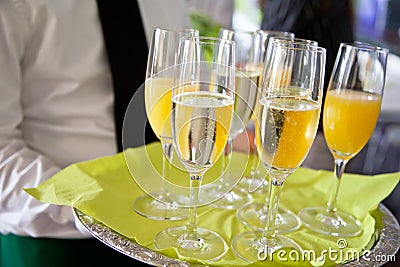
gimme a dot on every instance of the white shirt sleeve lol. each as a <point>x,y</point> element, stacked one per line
<point>20,166</point>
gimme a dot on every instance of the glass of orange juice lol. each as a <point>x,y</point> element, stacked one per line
<point>351,110</point>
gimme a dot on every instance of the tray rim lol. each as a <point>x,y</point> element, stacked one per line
<point>387,244</point>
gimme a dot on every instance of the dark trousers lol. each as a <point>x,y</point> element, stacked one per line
<point>18,251</point>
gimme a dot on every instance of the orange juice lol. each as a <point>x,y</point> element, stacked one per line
<point>349,119</point>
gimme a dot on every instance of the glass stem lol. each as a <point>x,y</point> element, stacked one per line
<point>264,209</point>
<point>226,157</point>
<point>253,165</point>
<point>339,170</point>
<point>254,160</point>
<point>274,191</point>
<point>191,229</point>
<point>167,157</point>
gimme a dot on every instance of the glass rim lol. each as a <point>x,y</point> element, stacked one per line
<point>301,47</point>
<point>206,40</point>
<point>365,47</point>
<point>172,29</point>
<point>294,40</point>
<point>287,34</point>
<point>242,31</point>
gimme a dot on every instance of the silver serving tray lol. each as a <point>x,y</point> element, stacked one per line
<point>387,244</point>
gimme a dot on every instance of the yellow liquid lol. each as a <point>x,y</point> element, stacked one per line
<point>349,120</point>
<point>202,123</point>
<point>158,94</point>
<point>288,127</point>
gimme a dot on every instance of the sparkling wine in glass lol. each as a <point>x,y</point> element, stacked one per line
<point>247,74</point>
<point>351,110</point>
<point>162,58</point>
<point>254,215</point>
<point>257,57</point>
<point>201,120</point>
<point>285,130</point>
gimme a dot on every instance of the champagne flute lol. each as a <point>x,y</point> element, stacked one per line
<point>250,53</point>
<point>254,215</point>
<point>203,98</point>
<point>285,129</point>
<point>258,57</point>
<point>351,110</point>
<point>246,92</point>
<point>158,91</point>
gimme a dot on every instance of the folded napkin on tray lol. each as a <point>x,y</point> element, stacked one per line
<point>104,189</point>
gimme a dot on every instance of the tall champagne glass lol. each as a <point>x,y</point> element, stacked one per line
<point>203,98</point>
<point>158,91</point>
<point>256,182</point>
<point>255,179</point>
<point>285,129</point>
<point>254,215</point>
<point>247,56</point>
<point>351,110</point>
<point>257,57</point>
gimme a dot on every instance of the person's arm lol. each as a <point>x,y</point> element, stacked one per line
<point>20,166</point>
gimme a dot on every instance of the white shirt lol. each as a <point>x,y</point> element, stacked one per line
<point>167,14</point>
<point>56,106</point>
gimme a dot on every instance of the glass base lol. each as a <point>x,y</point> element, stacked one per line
<point>335,224</point>
<point>208,245</point>
<point>155,209</point>
<point>252,216</point>
<point>254,185</point>
<point>234,199</point>
<point>253,247</point>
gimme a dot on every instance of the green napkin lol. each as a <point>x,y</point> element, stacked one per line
<point>105,189</point>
